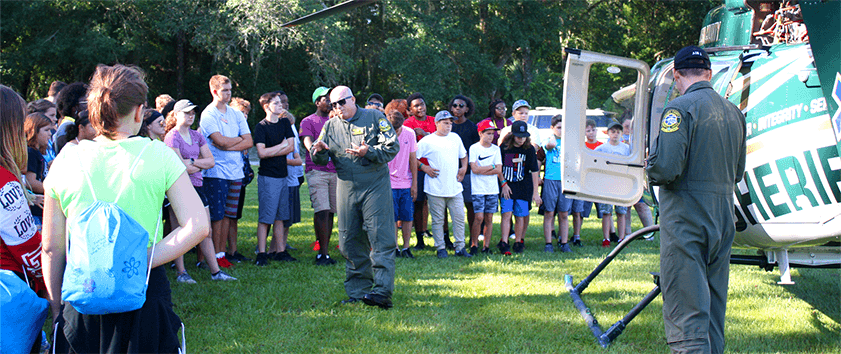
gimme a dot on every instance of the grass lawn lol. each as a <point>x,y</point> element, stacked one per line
<point>486,304</point>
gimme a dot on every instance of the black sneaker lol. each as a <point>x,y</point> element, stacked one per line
<point>350,300</point>
<point>397,253</point>
<point>442,253</point>
<point>231,258</point>
<point>262,260</point>
<point>519,247</point>
<point>487,250</point>
<point>463,253</point>
<point>577,242</point>
<point>504,248</point>
<point>407,253</point>
<point>242,258</point>
<point>614,237</point>
<point>377,300</point>
<point>474,250</point>
<point>285,257</point>
<point>324,260</point>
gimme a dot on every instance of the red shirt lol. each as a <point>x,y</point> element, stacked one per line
<point>427,125</point>
<point>20,241</point>
<point>593,146</point>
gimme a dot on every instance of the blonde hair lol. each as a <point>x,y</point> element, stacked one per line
<point>114,92</point>
<point>171,121</point>
<point>12,142</point>
<point>241,104</point>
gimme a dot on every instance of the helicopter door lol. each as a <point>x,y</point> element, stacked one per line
<point>596,175</point>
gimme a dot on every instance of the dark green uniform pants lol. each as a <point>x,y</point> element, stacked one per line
<point>696,235</point>
<point>366,233</point>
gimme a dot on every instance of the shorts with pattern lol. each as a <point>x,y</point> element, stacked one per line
<point>485,203</point>
<point>218,191</point>
<point>608,209</point>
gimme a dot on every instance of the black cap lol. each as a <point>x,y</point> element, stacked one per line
<point>520,129</point>
<point>152,117</point>
<point>692,57</point>
<point>375,96</point>
<point>614,124</point>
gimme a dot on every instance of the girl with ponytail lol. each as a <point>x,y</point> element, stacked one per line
<point>141,172</point>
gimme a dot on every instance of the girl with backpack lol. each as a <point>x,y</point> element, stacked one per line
<point>133,173</point>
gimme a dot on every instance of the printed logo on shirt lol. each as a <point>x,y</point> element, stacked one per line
<point>484,157</point>
<point>671,121</point>
<point>384,126</point>
<point>16,214</point>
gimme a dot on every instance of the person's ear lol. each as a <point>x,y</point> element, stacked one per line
<point>138,114</point>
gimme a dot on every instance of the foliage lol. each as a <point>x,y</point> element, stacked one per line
<point>484,49</point>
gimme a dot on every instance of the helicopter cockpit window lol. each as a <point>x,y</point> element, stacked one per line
<point>611,91</point>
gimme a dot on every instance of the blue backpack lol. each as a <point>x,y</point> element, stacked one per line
<point>106,256</point>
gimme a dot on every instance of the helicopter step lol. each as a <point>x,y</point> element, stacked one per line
<point>826,256</point>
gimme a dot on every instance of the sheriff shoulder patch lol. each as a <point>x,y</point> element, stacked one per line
<point>671,121</point>
<point>384,126</point>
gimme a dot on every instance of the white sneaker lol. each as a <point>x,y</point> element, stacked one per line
<point>222,276</point>
<point>185,278</point>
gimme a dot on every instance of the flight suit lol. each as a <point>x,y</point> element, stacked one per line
<point>365,210</point>
<point>696,160</point>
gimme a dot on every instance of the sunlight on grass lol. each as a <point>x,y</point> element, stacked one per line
<point>485,304</point>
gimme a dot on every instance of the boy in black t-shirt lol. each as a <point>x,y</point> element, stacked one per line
<point>274,139</point>
<point>518,185</point>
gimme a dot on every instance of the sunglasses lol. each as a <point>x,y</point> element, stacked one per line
<point>340,102</point>
<point>459,105</point>
<point>375,104</point>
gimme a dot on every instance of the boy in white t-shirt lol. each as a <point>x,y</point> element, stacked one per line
<point>444,152</point>
<point>613,146</point>
<point>486,165</point>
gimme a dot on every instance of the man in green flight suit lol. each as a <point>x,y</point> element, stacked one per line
<point>697,159</point>
<point>361,142</point>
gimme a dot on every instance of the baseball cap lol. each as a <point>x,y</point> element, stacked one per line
<point>485,125</point>
<point>153,116</point>
<point>375,96</point>
<point>321,91</point>
<point>183,106</point>
<point>442,115</point>
<point>692,57</point>
<point>520,129</point>
<point>614,124</point>
<point>520,103</point>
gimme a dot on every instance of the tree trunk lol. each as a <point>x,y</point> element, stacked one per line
<point>179,81</point>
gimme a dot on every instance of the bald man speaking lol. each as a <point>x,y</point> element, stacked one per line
<point>361,142</point>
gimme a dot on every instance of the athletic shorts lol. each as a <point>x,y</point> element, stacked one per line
<point>582,207</point>
<point>485,203</point>
<point>273,199</point>
<point>554,199</point>
<point>607,209</point>
<point>404,208</point>
<point>518,206</point>
<point>200,192</point>
<point>219,193</point>
<point>322,187</point>
<point>294,206</point>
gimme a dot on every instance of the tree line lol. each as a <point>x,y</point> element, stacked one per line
<point>484,49</point>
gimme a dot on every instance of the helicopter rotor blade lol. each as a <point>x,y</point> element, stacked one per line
<point>335,9</point>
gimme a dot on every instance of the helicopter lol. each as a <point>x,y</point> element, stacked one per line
<point>786,81</point>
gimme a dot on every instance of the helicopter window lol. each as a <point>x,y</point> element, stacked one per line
<point>611,90</point>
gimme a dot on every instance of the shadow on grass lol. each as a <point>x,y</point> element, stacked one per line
<point>815,286</point>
